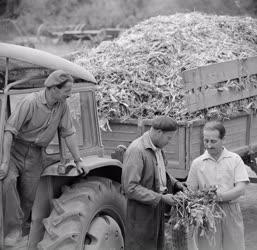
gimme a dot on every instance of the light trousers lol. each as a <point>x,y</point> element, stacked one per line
<point>230,231</point>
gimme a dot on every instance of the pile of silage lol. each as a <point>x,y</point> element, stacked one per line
<point>139,73</point>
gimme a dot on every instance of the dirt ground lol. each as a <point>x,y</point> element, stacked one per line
<point>249,210</point>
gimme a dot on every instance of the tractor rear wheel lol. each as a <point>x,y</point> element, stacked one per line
<point>89,215</point>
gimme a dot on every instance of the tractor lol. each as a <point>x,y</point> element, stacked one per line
<point>70,210</point>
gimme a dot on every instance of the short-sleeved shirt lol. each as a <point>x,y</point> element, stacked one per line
<point>225,172</point>
<point>33,121</point>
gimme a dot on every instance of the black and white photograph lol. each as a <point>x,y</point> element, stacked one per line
<point>128,124</point>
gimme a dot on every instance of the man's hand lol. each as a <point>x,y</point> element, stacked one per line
<point>179,186</point>
<point>210,188</point>
<point>168,199</point>
<point>218,197</point>
<point>3,170</point>
<point>81,166</point>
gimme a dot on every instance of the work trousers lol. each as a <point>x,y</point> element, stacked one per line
<point>230,231</point>
<point>19,186</point>
<point>137,232</point>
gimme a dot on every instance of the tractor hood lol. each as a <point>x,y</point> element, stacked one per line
<point>40,58</point>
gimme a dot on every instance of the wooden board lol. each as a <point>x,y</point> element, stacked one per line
<point>212,97</point>
<point>122,133</point>
<point>200,83</point>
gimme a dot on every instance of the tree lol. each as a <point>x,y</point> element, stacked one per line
<point>10,8</point>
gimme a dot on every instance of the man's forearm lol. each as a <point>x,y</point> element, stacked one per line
<point>233,193</point>
<point>71,142</point>
<point>142,194</point>
<point>8,138</point>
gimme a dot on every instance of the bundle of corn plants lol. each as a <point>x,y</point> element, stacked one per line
<point>195,211</point>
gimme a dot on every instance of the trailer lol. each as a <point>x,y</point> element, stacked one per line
<point>204,91</point>
<point>68,33</point>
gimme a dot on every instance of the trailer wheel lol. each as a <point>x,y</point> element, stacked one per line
<point>89,215</point>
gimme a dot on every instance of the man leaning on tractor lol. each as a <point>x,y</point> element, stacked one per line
<point>29,130</point>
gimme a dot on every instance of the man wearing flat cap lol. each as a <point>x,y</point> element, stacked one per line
<point>29,129</point>
<point>145,184</point>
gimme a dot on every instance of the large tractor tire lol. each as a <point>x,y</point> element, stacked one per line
<point>89,215</point>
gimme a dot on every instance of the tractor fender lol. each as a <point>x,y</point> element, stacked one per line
<point>51,182</point>
<point>92,162</point>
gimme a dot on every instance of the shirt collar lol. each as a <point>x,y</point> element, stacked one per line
<point>42,96</point>
<point>224,154</point>
<point>147,142</point>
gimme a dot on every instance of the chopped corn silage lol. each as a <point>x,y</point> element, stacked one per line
<point>139,73</point>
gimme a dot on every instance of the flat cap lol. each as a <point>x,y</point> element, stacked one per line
<point>164,123</point>
<point>57,77</point>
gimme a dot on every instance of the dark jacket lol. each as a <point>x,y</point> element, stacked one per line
<point>145,211</point>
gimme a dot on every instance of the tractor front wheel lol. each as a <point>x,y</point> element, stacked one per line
<point>90,215</point>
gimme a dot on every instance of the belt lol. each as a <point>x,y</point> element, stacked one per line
<point>27,143</point>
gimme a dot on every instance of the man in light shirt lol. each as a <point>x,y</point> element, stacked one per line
<point>226,171</point>
<point>144,181</point>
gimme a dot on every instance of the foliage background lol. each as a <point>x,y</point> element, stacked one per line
<point>112,13</point>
